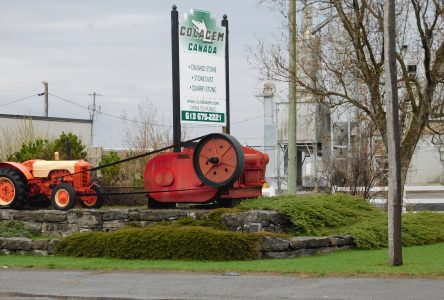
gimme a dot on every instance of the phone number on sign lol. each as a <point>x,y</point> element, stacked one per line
<point>202,116</point>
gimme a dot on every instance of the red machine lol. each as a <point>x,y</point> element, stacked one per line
<point>217,168</point>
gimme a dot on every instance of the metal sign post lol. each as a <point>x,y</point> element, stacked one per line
<point>176,77</point>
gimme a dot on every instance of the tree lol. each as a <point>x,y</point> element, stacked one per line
<point>350,56</point>
<point>36,149</point>
<point>40,148</point>
<point>77,147</point>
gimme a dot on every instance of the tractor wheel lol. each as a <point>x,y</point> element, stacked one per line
<point>218,160</point>
<point>13,188</point>
<point>63,197</point>
<point>98,200</point>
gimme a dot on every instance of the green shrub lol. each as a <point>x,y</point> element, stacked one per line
<point>315,214</point>
<point>16,229</point>
<point>323,214</point>
<point>44,148</point>
<point>110,174</point>
<point>162,242</point>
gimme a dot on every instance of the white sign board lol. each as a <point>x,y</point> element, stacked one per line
<point>202,69</point>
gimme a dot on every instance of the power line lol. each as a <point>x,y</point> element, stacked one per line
<point>109,115</point>
<point>17,100</point>
<point>155,124</point>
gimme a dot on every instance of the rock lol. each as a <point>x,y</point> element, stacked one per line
<point>274,244</point>
<point>5,252</point>
<point>160,215</point>
<point>38,253</point>
<point>318,242</point>
<point>34,226</point>
<point>270,220</point>
<point>134,214</point>
<point>200,214</point>
<point>54,216</point>
<point>287,254</point>
<point>327,250</point>
<point>7,214</point>
<point>17,244</point>
<point>39,245</point>
<point>29,215</point>
<point>51,246</point>
<point>342,240</point>
<point>86,218</point>
<point>299,242</point>
<point>255,227</point>
<point>113,225</point>
<point>22,252</point>
<point>55,228</point>
<point>115,214</point>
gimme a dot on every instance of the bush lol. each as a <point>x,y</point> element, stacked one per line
<point>109,174</point>
<point>162,242</point>
<point>323,214</point>
<point>44,149</point>
<point>16,229</point>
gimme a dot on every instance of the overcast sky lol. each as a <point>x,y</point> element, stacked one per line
<point>120,49</point>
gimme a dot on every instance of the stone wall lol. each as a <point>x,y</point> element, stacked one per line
<point>25,246</point>
<point>60,223</point>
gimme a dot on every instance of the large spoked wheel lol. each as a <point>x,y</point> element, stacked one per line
<point>218,160</point>
<point>94,201</point>
<point>63,197</point>
<point>13,188</point>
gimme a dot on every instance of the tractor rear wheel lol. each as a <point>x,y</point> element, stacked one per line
<point>98,199</point>
<point>63,197</point>
<point>218,160</point>
<point>13,188</point>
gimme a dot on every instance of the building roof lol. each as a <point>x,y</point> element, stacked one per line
<point>40,118</point>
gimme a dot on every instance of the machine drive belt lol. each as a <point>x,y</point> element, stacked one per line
<point>181,144</point>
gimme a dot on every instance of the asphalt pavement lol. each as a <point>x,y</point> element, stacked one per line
<point>28,284</point>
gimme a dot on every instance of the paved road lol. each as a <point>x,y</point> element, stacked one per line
<point>17,284</point>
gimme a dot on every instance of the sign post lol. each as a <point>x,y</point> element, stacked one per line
<point>176,77</point>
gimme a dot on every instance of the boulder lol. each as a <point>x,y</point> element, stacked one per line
<point>54,216</point>
<point>160,215</point>
<point>86,218</point>
<point>7,214</point>
<point>51,246</point>
<point>115,214</point>
<point>29,215</point>
<point>113,225</point>
<point>299,242</point>
<point>17,244</point>
<point>39,245</point>
<point>274,244</point>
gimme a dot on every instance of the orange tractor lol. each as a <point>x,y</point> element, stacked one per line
<point>41,180</point>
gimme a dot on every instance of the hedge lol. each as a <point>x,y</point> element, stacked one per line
<point>163,242</point>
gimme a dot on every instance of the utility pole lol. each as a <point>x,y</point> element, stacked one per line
<point>393,139</point>
<point>93,112</point>
<point>292,147</point>
<point>45,84</point>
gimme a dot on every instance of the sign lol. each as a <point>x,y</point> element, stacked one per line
<point>202,69</point>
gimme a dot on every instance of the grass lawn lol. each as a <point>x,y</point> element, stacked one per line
<point>419,261</point>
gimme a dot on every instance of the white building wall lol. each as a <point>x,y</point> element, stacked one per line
<point>48,127</point>
<point>426,166</point>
